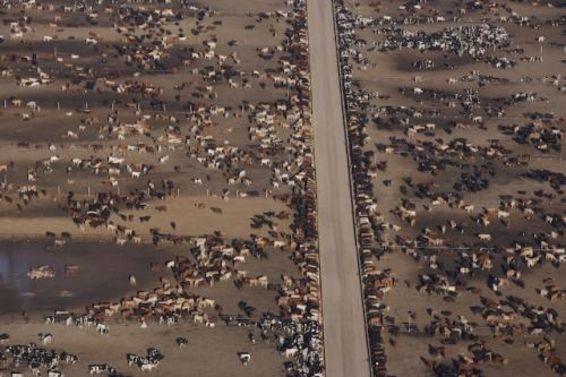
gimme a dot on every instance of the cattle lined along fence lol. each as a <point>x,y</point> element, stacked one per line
<point>526,157</point>
<point>298,316</point>
<point>189,111</point>
<point>421,79</point>
<point>34,236</point>
<point>314,189</point>
<point>351,185</point>
<point>458,248</point>
<point>364,187</point>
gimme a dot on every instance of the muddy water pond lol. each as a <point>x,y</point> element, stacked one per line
<point>103,275</point>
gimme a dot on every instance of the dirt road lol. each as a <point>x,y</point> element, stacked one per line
<point>345,344</point>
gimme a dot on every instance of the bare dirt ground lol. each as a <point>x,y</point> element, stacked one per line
<point>454,156</point>
<point>211,351</point>
<point>161,152</point>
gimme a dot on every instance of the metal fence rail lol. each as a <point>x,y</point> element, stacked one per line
<point>351,184</point>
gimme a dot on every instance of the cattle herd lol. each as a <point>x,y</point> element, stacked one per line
<point>118,114</point>
<point>455,138</point>
<point>178,134</point>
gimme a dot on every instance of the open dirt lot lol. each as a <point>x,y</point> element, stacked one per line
<point>157,192</point>
<point>456,124</point>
